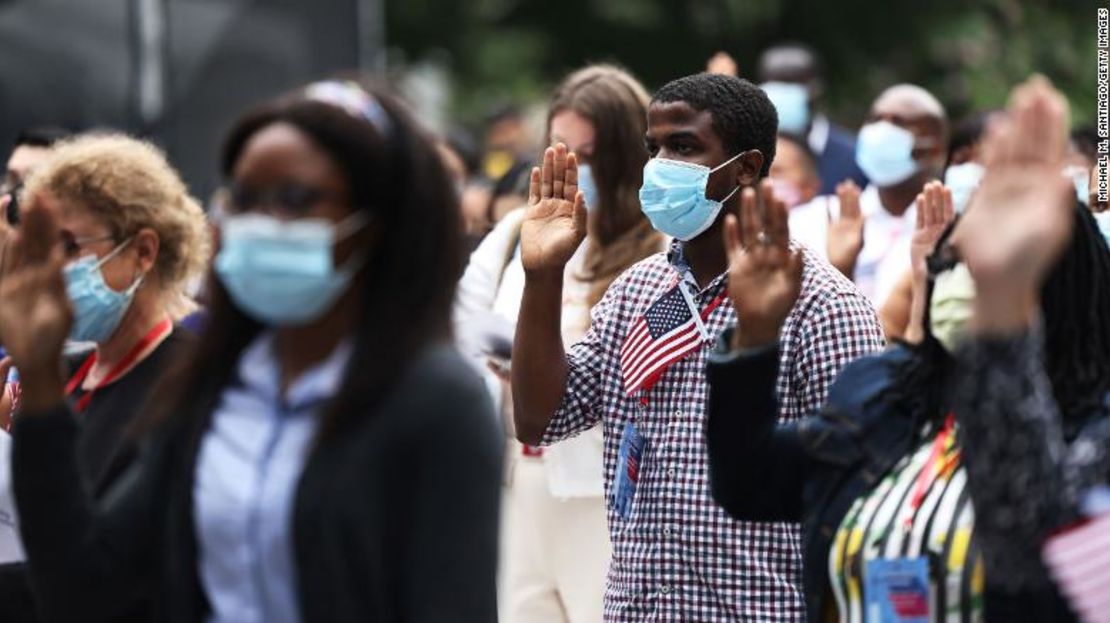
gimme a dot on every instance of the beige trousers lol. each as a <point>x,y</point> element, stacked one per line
<point>554,552</point>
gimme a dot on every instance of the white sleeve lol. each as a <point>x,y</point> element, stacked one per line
<point>477,289</point>
<point>11,547</point>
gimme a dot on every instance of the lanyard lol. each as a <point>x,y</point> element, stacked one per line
<point>942,457</point>
<point>157,334</point>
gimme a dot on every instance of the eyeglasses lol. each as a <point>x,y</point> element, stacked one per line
<point>73,245</point>
<point>292,199</point>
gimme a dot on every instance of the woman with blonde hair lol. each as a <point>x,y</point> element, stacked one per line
<point>132,238</point>
<point>555,548</point>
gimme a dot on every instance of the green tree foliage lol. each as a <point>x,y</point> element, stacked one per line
<point>970,53</point>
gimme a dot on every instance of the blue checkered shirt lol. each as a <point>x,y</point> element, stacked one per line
<point>678,556</point>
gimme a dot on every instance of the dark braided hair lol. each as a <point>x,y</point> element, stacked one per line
<point>1075,310</point>
<point>1075,307</point>
<point>743,115</point>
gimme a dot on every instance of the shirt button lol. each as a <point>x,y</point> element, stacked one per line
<point>667,532</point>
<point>678,414</point>
<point>670,473</point>
<point>665,589</point>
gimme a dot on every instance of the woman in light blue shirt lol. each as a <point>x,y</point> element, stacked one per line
<point>325,456</point>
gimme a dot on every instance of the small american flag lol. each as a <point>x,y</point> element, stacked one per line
<point>667,332</point>
<point>1080,561</point>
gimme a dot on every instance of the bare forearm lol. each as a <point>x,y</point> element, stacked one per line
<point>915,327</point>
<point>539,372</point>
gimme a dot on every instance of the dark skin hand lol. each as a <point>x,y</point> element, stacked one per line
<point>556,224</point>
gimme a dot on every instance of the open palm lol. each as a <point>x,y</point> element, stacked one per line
<point>845,232</point>
<point>555,223</point>
<point>935,211</point>
<point>765,274</point>
<point>1019,219</point>
<point>35,314</point>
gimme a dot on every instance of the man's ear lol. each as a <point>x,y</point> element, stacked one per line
<point>750,163</point>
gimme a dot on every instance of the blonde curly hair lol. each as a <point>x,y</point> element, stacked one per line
<point>129,185</point>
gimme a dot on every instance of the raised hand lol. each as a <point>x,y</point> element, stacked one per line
<point>1019,219</point>
<point>35,314</point>
<point>722,63</point>
<point>935,211</point>
<point>555,223</point>
<point>764,273</point>
<point>845,232</point>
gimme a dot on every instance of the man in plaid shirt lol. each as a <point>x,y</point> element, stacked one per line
<point>677,556</point>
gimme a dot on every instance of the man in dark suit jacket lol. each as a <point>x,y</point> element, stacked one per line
<point>793,67</point>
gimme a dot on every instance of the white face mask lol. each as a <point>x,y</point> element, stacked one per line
<point>962,180</point>
<point>884,152</point>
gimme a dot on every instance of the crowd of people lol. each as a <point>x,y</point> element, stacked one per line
<point>703,356</point>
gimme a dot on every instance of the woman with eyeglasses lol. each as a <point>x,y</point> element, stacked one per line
<point>323,454</point>
<point>884,478</point>
<point>130,237</point>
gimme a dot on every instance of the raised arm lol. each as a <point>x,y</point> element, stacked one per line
<point>1015,228</point>
<point>86,563</point>
<point>553,228</point>
<point>756,467</point>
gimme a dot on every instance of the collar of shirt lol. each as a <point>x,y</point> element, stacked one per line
<point>677,259</point>
<point>871,206</point>
<point>818,137</point>
<point>259,373</point>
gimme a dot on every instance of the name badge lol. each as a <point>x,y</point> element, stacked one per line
<point>897,591</point>
<point>628,469</point>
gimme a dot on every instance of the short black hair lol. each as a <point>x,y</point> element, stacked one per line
<point>969,131</point>
<point>40,136</point>
<point>743,116</point>
<point>1085,140</point>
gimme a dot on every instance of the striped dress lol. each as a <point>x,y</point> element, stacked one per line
<point>920,509</point>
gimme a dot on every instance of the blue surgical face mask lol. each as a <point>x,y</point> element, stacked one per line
<point>97,308</point>
<point>673,197</point>
<point>282,273</point>
<point>791,102</point>
<point>1080,178</point>
<point>588,186</point>
<point>962,180</point>
<point>884,152</point>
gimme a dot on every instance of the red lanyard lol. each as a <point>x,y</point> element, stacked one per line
<point>939,462</point>
<point>160,331</point>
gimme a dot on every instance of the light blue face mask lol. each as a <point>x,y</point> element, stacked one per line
<point>282,273</point>
<point>1080,178</point>
<point>884,152</point>
<point>673,197</point>
<point>588,186</point>
<point>791,102</point>
<point>97,308</point>
<point>962,180</point>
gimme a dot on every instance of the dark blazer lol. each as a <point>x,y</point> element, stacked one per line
<point>838,162</point>
<point>813,470</point>
<point>395,516</point>
<point>810,470</point>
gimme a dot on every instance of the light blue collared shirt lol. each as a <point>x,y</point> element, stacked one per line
<point>250,462</point>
